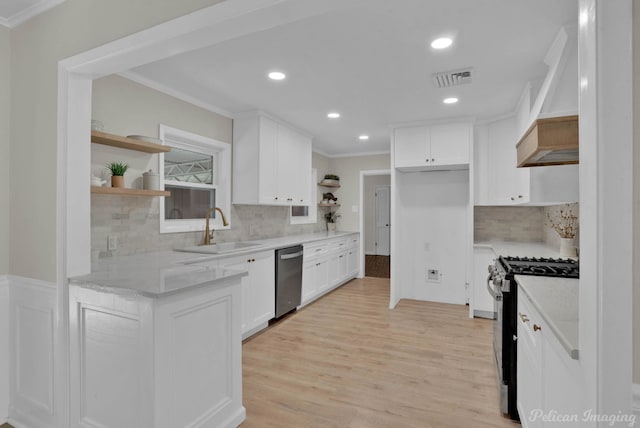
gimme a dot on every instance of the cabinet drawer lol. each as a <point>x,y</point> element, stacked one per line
<point>315,250</point>
<point>339,244</point>
<point>354,241</point>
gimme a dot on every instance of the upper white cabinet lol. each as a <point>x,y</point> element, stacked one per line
<point>436,147</point>
<point>271,162</point>
<point>498,180</point>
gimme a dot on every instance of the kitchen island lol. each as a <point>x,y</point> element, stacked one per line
<point>156,342</point>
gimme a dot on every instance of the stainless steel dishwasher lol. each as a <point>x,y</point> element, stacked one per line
<point>288,279</point>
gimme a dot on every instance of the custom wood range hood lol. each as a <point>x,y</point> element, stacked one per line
<point>549,141</point>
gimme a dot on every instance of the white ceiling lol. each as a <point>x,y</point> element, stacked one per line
<point>374,65</point>
<point>15,12</point>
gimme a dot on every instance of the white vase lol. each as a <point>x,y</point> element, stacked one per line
<point>567,248</point>
<point>331,227</point>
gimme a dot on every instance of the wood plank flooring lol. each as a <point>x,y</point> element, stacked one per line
<point>348,361</point>
<point>377,266</point>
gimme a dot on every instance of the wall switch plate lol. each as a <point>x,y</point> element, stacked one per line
<point>354,208</point>
<point>433,275</point>
<point>112,243</point>
<point>252,230</point>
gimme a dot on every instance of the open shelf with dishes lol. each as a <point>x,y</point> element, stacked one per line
<point>138,145</point>
<point>135,143</point>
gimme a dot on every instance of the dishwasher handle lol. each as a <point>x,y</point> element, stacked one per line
<point>291,256</point>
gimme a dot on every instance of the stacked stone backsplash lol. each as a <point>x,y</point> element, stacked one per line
<point>135,221</point>
<point>520,224</point>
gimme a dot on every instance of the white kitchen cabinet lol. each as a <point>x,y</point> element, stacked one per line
<point>436,147</point>
<point>498,180</point>
<point>258,289</point>
<point>271,162</point>
<point>166,360</point>
<point>315,278</point>
<point>548,378</point>
<point>328,264</point>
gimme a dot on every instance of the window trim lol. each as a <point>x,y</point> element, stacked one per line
<point>312,216</point>
<point>221,153</point>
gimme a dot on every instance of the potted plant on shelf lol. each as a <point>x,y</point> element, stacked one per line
<point>565,222</point>
<point>117,173</point>
<point>331,217</point>
<point>330,180</point>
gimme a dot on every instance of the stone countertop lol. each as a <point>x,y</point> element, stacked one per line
<point>152,275</point>
<point>520,249</point>
<point>556,299</point>
<point>167,272</point>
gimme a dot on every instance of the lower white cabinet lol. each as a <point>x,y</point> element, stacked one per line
<point>315,278</point>
<point>549,380</point>
<point>258,289</point>
<point>166,361</point>
<point>328,264</point>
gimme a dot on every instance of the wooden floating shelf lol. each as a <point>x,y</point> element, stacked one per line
<point>127,143</point>
<point>328,205</point>
<point>128,192</point>
<point>336,186</point>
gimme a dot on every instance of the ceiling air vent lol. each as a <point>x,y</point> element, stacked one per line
<point>446,79</point>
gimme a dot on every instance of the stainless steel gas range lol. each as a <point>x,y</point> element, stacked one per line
<point>504,290</point>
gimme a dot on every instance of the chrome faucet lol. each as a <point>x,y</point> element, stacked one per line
<point>208,234</point>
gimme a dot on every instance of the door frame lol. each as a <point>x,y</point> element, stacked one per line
<point>376,216</point>
<point>363,174</point>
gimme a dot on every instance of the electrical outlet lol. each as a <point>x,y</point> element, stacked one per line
<point>433,275</point>
<point>252,230</point>
<point>112,243</point>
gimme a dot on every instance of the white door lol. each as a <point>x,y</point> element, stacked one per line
<point>383,220</point>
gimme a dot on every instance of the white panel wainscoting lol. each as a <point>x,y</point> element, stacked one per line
<point>32,332</point>
<point>4,349</point>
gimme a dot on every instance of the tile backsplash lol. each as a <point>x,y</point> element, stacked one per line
<point>135,221</point>
<point>520,224</point>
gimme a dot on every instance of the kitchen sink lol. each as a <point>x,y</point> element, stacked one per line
<point>223,248</point>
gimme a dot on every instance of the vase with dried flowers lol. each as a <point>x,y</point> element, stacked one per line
<point>565,222</point>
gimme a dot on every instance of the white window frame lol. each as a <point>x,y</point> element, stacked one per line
<point>221,153</point>
<point>312,216</point>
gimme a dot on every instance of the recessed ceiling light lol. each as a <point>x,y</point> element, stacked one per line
<point>333,115</point>
<point>451,100</point>
<point>441,43</point>
<point>363,137</point>
<point>277,75</point>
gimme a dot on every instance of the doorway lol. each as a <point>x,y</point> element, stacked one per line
<point>376,224</point>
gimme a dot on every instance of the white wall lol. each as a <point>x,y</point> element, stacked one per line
<point>36,47</point>
<point>348,169</point>
<point>370,184</point>
<point>432,209</point>
<point>4,148</point>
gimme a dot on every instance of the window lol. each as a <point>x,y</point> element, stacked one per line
<point>307,214</point>
<point>197,172</point>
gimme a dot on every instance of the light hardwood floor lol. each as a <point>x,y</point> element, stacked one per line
<point>348,361</point>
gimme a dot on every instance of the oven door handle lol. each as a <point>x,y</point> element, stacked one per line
<point>497,295</point>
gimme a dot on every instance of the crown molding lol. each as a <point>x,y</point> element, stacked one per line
<point>28,13</point>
